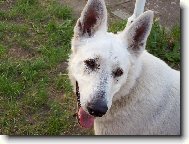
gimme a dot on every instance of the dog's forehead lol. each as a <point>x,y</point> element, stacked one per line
<point>106,47</point>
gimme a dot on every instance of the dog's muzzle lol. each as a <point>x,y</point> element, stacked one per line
<point>97,108</point>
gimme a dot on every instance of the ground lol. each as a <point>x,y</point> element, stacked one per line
<point>167,11</point>
<point>36,97</point>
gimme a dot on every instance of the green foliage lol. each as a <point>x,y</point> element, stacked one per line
<point>165,44</point>
<point>117,26</point>
<point>9,88</point>
<point>62,12</point>
<point>62,82</point>
<point>2,50</point>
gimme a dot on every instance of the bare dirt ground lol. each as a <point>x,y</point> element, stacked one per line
<point>167,11</point>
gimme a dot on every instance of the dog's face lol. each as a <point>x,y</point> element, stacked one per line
<point>100,61</point>
<point>100,68</point>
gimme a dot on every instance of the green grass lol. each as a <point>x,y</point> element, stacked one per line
<point>36,97</point>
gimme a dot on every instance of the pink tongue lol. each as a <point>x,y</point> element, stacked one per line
<point>85,119</point>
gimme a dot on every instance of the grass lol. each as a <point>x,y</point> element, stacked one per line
<point>36,97</point>
<point>35,94</point>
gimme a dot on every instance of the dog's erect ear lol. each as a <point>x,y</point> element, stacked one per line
<point>137,33</point>
<point>93,18</point>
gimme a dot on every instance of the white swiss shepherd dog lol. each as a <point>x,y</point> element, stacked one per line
<point>124,90</point>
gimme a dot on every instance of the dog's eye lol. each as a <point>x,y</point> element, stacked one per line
<point>91,63</point>
<point>118,72</point>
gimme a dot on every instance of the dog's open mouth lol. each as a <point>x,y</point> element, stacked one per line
<point>85,120</point>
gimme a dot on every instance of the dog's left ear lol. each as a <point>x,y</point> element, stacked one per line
<point>93,18</point>
<point>137,33</point>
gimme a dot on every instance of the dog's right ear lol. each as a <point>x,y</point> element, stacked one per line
<point>137,33</point>
<point>93,18</point>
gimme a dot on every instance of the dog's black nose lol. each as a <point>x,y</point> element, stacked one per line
<point>97,108</point>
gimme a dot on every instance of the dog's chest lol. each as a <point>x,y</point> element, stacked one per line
<point>123,125</point>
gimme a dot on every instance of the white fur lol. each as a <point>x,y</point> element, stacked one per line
<point>145,100</point>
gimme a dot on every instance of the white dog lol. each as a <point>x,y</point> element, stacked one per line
<point>123,89</point>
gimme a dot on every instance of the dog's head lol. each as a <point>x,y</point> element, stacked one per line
<point>100,61</point>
